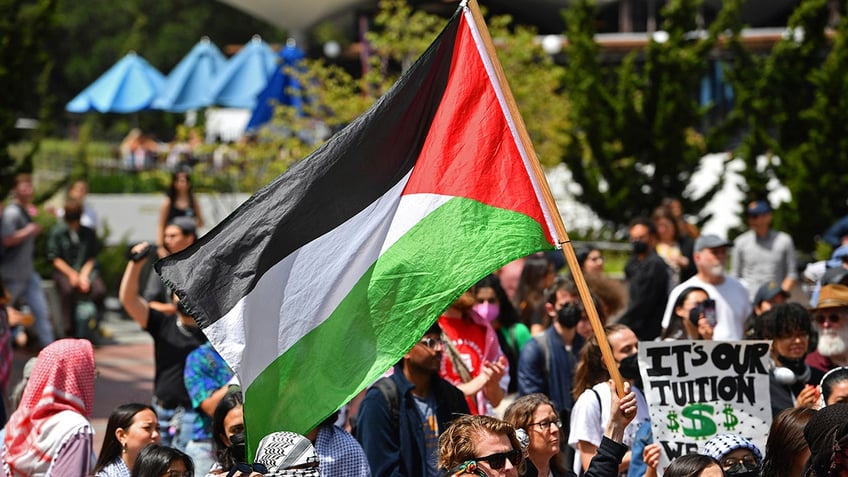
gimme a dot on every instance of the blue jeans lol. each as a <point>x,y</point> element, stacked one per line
<point>33,296</point>
<point>175,425</point>
<point>202,455</point>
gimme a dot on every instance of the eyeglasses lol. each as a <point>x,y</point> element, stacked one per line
<point>178,473</point>
<point>832,318</point>
<point>498,461</point>
<point>546,424</point>
<point>729,462</point>
<point>432,343</point>
<point>247,468</point>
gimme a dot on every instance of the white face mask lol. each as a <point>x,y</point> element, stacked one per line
<point>717,270</point>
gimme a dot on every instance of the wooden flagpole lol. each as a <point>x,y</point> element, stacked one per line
<point>567,248</point>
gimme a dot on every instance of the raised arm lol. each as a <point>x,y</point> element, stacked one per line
<point>612,456</point>
<point>134,304</point>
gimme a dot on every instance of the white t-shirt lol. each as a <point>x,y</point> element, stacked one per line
<point>588,421</point>
<point>732,306</point>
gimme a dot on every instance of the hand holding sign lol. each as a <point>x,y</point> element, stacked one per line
<point>623,411</point>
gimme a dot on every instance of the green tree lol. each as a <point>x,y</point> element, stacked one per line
<point>635,137</point>
<point>400,34</point>
<point>95,34</point>
<point>535,80</point>
<point>815,169</point>
<point>787,110</point>
<point>24,69</point>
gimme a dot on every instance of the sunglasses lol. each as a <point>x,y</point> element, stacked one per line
<point>832,318</point>
<point>432,343</point>
<point>247,468</point>
<point>731,462</point>
<point>498,461</point>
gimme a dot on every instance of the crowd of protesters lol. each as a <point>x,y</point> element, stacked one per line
<point>509,380</point>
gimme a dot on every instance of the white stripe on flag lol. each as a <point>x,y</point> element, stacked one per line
<point>316,278</point>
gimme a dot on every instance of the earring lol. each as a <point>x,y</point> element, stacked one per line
<point>124,447</point>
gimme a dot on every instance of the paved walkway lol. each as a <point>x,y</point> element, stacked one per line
<point>125,363</point>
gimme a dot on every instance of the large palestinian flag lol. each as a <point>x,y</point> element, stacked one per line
<point>327,276</point>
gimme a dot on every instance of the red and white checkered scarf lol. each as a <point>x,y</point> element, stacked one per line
<point>62,380</point>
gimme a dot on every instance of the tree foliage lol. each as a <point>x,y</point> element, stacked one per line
<point>51,49</point>
<point>399,35</point>
<point>635,135</point>
<point>97,33</point>
<point>788,109</point>
<point>24,69</point>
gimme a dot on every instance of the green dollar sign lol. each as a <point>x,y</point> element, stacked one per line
<point>673,425</point>
<point>702,424</point>
<point>730,419</point>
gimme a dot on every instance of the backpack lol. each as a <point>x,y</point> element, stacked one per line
<point>389,390</point>
<point>542,341</point>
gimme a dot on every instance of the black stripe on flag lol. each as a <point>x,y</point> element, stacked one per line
<point>350,171</point>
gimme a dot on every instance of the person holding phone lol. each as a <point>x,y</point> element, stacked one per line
<point>694,316</point>
<point>732,305</point>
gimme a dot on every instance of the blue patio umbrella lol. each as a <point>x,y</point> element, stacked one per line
<point>130,85</point>
<point>187,85</point>
<point>244,76</point>
<point>282,87</point>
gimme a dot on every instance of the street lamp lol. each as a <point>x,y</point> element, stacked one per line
<point>332,49</point>
<point>552,44</point>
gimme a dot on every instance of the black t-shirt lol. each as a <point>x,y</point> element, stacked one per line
<point>171,344</point>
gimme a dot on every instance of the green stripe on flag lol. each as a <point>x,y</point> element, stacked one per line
<point>420,276</point>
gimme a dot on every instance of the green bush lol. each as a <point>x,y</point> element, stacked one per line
<point>112,261</point>
<point>101,182</point>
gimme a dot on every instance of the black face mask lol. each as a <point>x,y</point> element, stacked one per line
<point>629,367</point>
<point>639,247</point>
<point>237,447</point>
<point>569,315</point>
<point>796,365</point>
<point>73,216</point>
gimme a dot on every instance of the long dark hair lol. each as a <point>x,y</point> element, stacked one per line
<point>590,367</point>
<point>507,315</point>
<point>507,318</point>
<point>230,401</point>
<point>831,379</point>
<point>530,294</point>
<point>154,460</point>
<point>121,418</point>
<point>690,465</point>
<point>681,299</point>
<point>786,441</point>
<point>172,189</point>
